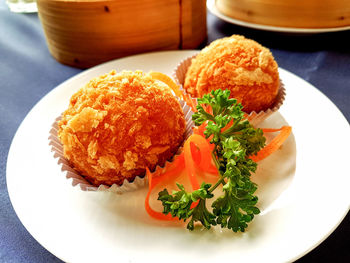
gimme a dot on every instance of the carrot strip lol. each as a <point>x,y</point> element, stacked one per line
<point>200,129</point>
<point>171,84</point>
<point>154,179</point>
<point>272,130</point>
<point>189,159</point>
<point>206,149</point>
<point>149,209</point>
<point>190,102</point>
<point>167,80</point>
<point>274,144</point>
<point>189,163</point>
<point>204,162</point>
<point>196,154</point>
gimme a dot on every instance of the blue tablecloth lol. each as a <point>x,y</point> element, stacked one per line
<point>25,63</point>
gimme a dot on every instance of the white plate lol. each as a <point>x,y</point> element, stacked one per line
<point>213,9</point>
<point>303,188</point>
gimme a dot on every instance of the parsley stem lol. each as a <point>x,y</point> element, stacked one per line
<point>221,180</point>
<point>232,128</point>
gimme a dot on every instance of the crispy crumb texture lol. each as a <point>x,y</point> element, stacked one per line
<point>120,123</point>
<point>239,64</point>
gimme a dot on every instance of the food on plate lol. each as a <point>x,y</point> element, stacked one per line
<point>119,124</point>
<point>241,65</point>
<point>229,147</point>
<point>122,125</point>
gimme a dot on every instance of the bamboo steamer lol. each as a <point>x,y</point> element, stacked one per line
<point>289,13</point>
<point>84,33</point>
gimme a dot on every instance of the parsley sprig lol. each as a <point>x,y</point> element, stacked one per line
<point>236,207</point>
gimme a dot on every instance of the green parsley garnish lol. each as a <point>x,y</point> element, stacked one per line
<point>236,207</point>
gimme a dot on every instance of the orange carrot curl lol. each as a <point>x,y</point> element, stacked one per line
<point>274,145</point>
<point>173,171</point>
<point>196,156</point>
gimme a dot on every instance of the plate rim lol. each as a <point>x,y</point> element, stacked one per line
<point>292,30</point>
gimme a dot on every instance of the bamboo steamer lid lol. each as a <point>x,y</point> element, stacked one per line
<point>289,13</point>
<point>84,33</point>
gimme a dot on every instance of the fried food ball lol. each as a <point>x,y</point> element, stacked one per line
<point>120,123</point>
<point>239,64</point>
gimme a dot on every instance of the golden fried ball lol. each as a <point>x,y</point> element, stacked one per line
<point>120,123</point>
<point>239,64</point>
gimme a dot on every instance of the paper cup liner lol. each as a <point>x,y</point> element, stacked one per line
<point>254,118</point>
<point>78,180</point>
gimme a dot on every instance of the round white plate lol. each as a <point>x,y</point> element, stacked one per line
<point>213,9</point>
<point>303,188</point>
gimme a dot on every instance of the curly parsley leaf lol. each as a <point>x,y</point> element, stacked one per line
<point>179,204</point>
<point>233,212</point>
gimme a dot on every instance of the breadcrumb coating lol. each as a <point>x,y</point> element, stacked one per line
<point>120,123</point>
<point>239,64</point>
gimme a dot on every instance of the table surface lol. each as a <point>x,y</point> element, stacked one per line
<point>25,63</point>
